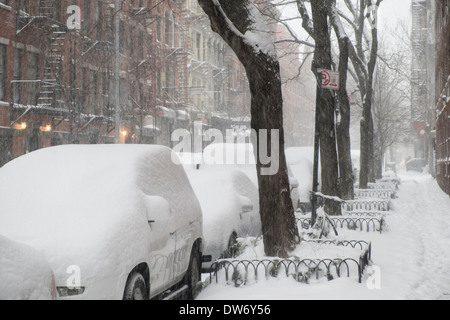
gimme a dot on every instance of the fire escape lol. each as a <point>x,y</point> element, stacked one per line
<point>420,72</point>
<point>48,21</point>
<point>47,90</point>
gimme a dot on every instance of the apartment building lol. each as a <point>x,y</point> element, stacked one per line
<point>442,96</point>
<point>57,73</point>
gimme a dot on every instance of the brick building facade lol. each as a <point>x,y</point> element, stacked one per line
<point>57,73</point>
<point>57,84</point>
<point>443,93</point>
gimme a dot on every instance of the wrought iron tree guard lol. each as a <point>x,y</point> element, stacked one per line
<point>367,205</point>
<point>241,271</point>
<point>368,223</point>
<point>374,193</point>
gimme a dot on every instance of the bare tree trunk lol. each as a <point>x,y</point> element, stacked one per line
<point>328,152</point>
<point>343,128</point>
<point>367,173</point>
<point>346,184</point>
<point>232,19</point>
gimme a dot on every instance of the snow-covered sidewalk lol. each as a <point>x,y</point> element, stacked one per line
<point>413,255</point>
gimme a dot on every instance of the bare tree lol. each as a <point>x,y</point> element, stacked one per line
<point>343,125</point>
<point>241,25</point>
<point>364,65</point>
<point>318,28</point>
<point>392,114</point>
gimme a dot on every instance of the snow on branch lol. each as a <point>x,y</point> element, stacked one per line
<point>256,36</point>
<point>307,21</point>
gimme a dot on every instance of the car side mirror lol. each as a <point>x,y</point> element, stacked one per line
<point>247,208</point>
<point>294,183</point>
<point>158,208</point>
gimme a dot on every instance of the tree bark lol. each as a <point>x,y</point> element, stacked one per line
<point>231,19</point>
<point>346,182</point>
<point>367,173</point>
<point>328,152</point>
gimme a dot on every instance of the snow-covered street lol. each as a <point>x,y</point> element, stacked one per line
<point>225,150</point>
<point>412,255</point>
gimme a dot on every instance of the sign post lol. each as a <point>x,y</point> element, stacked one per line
<point>326,79</point>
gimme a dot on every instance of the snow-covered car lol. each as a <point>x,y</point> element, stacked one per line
<point>114,221</point>
<point>416,164</point>
<point>24,273</point>
<point>239,156</point>
<point>300,161</point>
<point>230,205</point>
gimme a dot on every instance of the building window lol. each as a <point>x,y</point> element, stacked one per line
<point>17,70</point>
<point>198,45</point>
<point>22,5</point>
<point>93,92</point>
<point>158,30</point>
<point>5,149</point>
<point>32,74</point>
<point>87,15</point>
<point>2,71</point>
<point>169,29</point>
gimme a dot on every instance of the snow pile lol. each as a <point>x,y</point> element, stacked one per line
<point>24,273</point>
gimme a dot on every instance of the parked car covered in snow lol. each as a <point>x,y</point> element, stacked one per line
<point>416,165</point>
<point>300,161</point>
<point>238,156</point>
<point>230,205</point>
<point>114,222</point>
<point>24,273</point>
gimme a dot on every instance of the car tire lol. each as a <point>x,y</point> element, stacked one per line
<point>136,288</point>
<point>193,275</point>
<point>231,249</point>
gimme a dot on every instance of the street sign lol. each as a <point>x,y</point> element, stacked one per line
<point>330,79</point>
<point>420,127</point>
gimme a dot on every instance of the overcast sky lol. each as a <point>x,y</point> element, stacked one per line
<point>392,11</point>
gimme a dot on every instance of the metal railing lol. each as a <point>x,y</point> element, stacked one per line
<point>367,223</point>
<point>374,193</point>
<point>366,205</point>
<point>243,271</point>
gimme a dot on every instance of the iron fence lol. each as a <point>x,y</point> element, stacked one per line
<point>375,222</point>
<point>243,271</point>
<point>366,205</point>
<point>374,193</point>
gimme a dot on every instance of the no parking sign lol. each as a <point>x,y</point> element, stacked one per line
<point>330,79</point>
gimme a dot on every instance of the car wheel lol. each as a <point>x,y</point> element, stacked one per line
<point>136,289</point>
<point>193,275</point>
<point>231,249</point>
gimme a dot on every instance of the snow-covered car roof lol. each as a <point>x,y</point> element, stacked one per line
<point>24,273</point>
<point>70,200</point>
